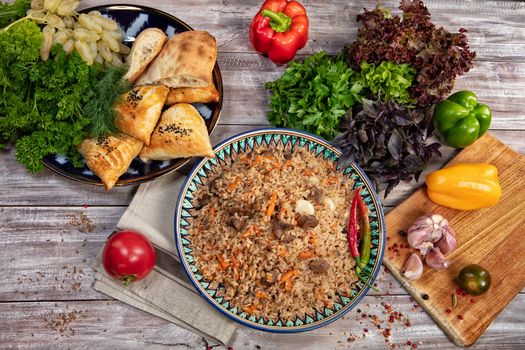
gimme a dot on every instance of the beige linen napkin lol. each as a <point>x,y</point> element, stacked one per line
<point>166,292</point>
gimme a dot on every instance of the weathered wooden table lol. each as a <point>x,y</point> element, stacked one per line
<point>52,228</point>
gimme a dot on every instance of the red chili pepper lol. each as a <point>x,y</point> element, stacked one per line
<point>279,29</point>
<point>358,208</point>
<point>352,229</point>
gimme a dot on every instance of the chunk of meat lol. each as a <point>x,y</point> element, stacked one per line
<point>205,199</point>
<point>269,277</point>
<point>240,211</point>
<point>279,227</point>
<point>307,221</point>
<point>287,237</point>
<point>236,223</point>
<point>316,195</point>
<point>320,265</point>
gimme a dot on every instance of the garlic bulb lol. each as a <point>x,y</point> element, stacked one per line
<point>436,260</point>
<point>413,268</point>
<point>427,230</point>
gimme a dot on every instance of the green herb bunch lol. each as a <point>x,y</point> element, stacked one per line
<point>47,107</point>
<point>314,95</point>
<point>389,81</point>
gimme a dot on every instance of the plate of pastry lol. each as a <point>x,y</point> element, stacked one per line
<point>171,110</point>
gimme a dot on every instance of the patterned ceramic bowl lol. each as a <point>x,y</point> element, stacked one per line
<point>133,19</point>
<point>224,153</point>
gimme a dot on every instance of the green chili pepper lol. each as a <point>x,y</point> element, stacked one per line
<point>364,230</point>
<point>359,213</point>
<point>461,120</point>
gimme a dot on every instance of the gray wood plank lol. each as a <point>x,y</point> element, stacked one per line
<point>59,244</point>
<point>332,24</point>
<point>111,324</point>
<point>64,241</point>
<point>21,188</point>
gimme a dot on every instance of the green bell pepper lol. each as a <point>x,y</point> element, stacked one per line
<point>460,120</point>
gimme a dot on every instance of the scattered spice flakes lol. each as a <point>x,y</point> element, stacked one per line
<point>81,222</point>
<point>352,338</point>
<point>61,322</point>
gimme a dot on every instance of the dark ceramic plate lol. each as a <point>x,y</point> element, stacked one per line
<point>133,19</point>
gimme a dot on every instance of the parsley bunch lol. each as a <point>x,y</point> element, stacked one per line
<point>314,95</point>
<point>44,105</point>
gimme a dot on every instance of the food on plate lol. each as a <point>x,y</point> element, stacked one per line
<point>193,95</point>
<point>461,120</point>
<point>436,54</point>
<point>145,48</point>
<point>413,268</point>
<point>389,141</point>
<point>128,256</point>
<point>96,38</point>
<point>358,233</point>
<point>109,157</point>
<point>279,29</point>
<point>140,110</point>
<point>474,279</point>
<point>181,132</point>
<point>62,89</point>
<point>255,236</point>
<point>465,186</point>
<point>186,60</point>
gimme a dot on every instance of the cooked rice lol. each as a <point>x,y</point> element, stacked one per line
<point>235,247</point>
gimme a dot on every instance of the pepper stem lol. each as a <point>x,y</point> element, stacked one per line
<point>128,279</point>
<point>278,20</point>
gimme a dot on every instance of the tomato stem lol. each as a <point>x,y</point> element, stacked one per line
<point>128,279</point>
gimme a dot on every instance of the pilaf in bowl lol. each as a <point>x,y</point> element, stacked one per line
<point>261,230</point>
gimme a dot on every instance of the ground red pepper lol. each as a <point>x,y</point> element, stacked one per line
<point>460,317</point>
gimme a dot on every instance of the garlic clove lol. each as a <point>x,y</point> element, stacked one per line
<point>418,235</point>
<point>436,260</point>
<point>413,268</point>
<point>447,243</point>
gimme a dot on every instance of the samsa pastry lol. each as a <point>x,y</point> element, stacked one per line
<point>193,95</point>
<point>109,157</point>
<point>140,111</point>
<point>186,60</point>
<point>181,133</point>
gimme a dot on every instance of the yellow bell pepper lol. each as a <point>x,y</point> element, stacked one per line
<point>465,186</point>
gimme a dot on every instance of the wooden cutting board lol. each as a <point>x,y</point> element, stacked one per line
<point>493,238</point>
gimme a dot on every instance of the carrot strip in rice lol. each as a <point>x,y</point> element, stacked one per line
<point>306,254</point>
<point>271,206</point>
<point>234,185</point>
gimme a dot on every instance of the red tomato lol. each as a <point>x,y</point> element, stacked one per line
<point>128,256</point>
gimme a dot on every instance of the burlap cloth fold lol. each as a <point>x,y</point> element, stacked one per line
<point>166,292</point>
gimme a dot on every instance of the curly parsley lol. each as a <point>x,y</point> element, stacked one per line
<point>47,107</point>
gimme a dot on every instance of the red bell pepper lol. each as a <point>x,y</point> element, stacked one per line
<point>279,29</point>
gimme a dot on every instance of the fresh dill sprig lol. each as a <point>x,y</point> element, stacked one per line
<point>108,91</point>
